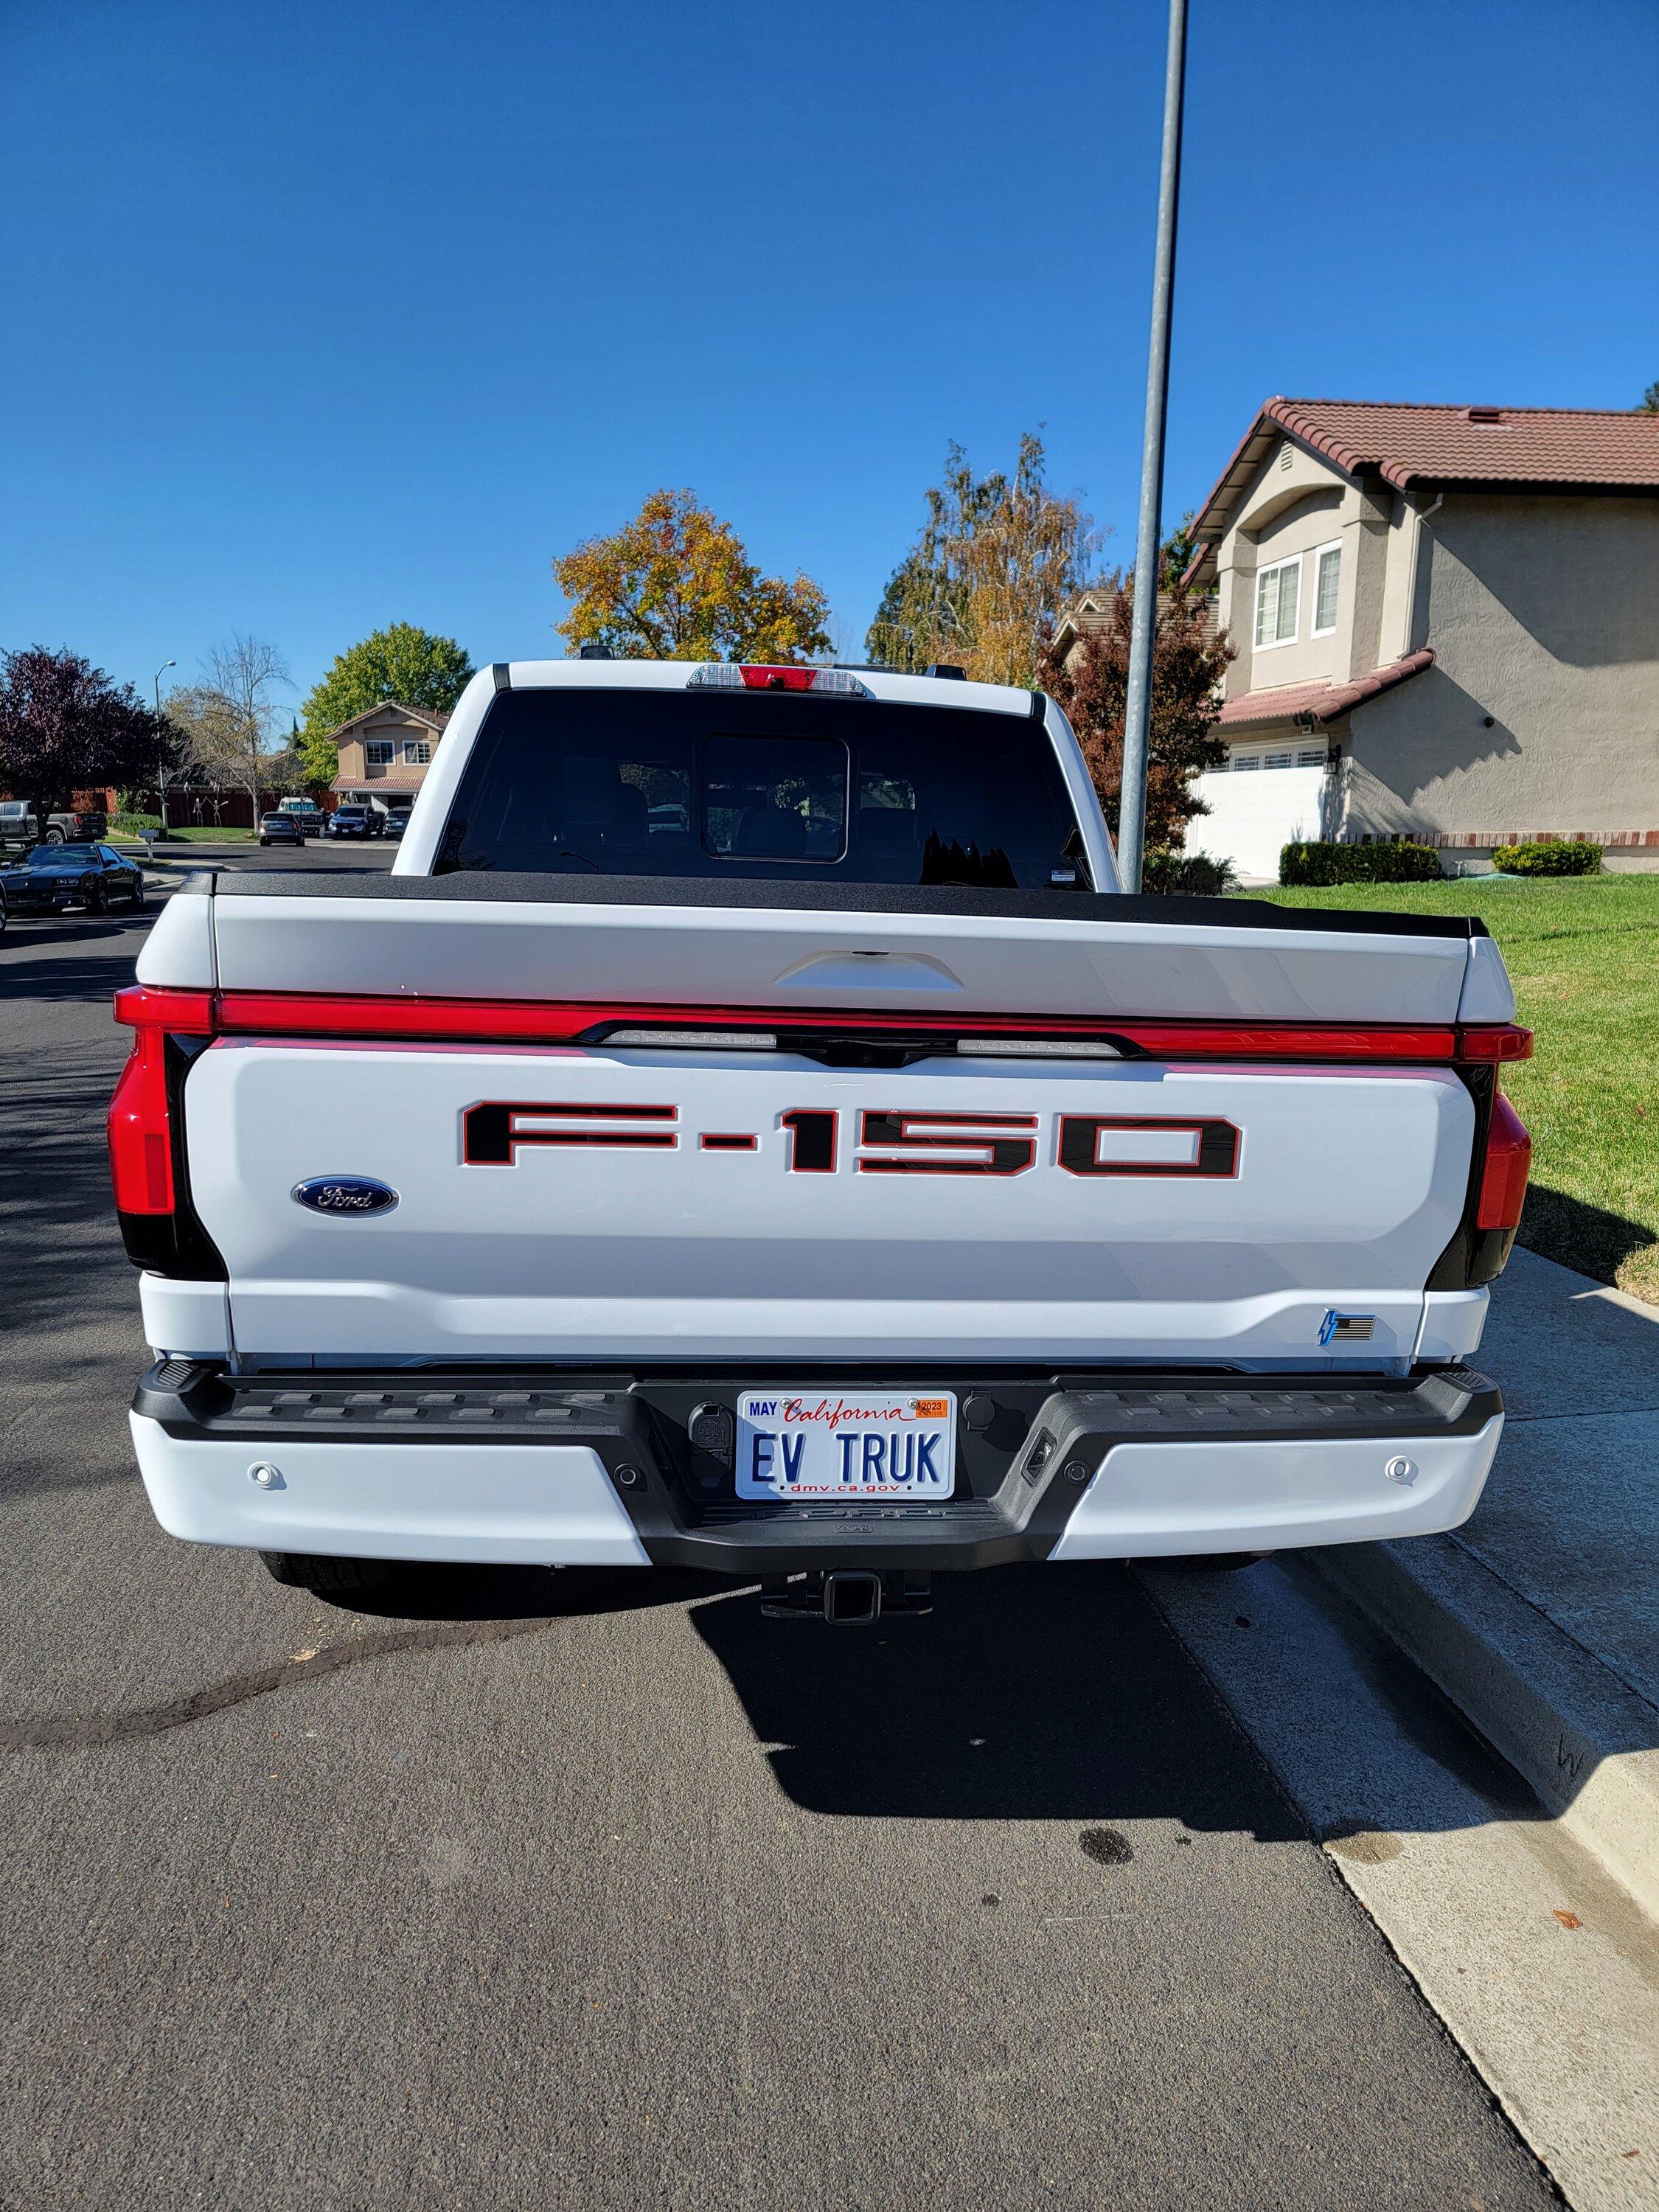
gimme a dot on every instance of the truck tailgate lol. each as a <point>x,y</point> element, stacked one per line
<point>615,1199</point>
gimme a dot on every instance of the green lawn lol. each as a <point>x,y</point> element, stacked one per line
<point>1584,953</point>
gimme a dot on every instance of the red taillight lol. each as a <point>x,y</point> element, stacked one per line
<point>775,675</point>
<point>1504,1177</point>
<point>140,1119</point>
<point>141,1129</point>
<point>180,1013</point>
<point>758,677</point>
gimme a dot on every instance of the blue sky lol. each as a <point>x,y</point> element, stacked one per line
<point>320,316</point>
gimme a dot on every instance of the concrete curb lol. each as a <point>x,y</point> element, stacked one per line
<point>1585,1741</point>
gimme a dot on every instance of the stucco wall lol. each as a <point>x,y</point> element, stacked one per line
<point>1296,502</point>
<point>1544,615</point>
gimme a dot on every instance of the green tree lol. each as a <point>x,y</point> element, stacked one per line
<point>1092,682</point>
<point>996,559</point>
<point>1649,401</point>
<point>402,662</point>
<point>677,584</point>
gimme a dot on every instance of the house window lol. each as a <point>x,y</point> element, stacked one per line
<point>417,751</point>
<point>1327,574</point>
<point>379,752</point>
<point>1278,594</point>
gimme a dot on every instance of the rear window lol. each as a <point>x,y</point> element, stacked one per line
<point>762,784</point>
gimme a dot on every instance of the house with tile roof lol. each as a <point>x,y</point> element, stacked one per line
<point>1447,624</point>
<point>385,754</point>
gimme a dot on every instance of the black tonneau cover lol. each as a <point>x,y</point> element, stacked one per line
<point>490,887</point>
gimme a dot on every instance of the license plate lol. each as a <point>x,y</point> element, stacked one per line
<point>818,1444</point>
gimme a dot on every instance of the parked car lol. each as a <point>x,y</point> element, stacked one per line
<point>282,829</point>
<point>21,825</point>
<point>392,825</point>
<point>307,813</point>
<point>676,1214</point>
<point>52,876</point>
<point>356,822</point>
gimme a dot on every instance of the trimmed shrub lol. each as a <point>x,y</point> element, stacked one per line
<point>1330,863</point>
<point>1195,875</point>
<point>132,825</point>
<point>1548,856</point>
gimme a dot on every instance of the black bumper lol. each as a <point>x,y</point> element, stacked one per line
<point>1027,1441</point>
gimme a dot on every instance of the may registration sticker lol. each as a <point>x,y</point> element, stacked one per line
<point>819,1444</point>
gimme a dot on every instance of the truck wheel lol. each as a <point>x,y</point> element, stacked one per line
<point>53,837</point>
<point>325,1578</point>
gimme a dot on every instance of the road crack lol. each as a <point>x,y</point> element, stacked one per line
<point>49,1731</point>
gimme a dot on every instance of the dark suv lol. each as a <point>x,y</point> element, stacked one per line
<point>356,822</point>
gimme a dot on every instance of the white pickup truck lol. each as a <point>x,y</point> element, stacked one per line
<point>748,1129</point>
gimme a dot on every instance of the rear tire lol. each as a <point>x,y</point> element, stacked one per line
<point>326,1577</point>
<point>1209,1562</point>
<point>53,837</point>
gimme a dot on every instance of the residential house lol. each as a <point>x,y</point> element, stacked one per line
<point>1447,624</point>
<point>384,755</point>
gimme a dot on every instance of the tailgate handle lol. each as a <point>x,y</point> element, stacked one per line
<point>852,969</point>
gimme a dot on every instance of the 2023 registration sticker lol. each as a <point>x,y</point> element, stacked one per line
<point>810,1444</point>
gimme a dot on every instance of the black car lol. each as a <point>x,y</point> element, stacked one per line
<point>394,825</point>
<point>282,829</point>
<point>53,877</point>
<point>356,822</point>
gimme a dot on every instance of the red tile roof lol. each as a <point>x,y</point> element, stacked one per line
<point>389,778</point>
<point>1323,700</point>
<point>1410,445</point>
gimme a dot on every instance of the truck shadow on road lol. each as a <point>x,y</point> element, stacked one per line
<point>1032,1692</point>
<point>1050,1692</point>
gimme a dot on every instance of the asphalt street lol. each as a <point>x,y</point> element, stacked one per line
<point>595,1891</point>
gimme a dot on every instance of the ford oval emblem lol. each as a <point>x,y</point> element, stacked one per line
<point>345,1194</point>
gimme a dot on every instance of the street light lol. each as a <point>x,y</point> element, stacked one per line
<point>160,763</point>
<point>1137,706</point>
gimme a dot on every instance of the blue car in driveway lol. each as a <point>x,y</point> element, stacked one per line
<point>51,878</point>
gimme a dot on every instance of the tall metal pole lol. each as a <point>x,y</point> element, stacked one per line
<point>1136,711</point>
<point>160,763</point>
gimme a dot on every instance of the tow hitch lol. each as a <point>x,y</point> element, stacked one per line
<point>845,1597</point>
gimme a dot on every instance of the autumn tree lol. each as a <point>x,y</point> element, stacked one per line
<point>996,559</point>
<point>402,662</point>
<point>677,584</point>
<point>65,728</point>
<point>1092,681</point>
<point>226,724</point>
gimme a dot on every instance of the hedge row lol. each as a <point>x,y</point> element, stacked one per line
<point>1324,863</point>
<point>1548,856</point>
<point>1197,875</point>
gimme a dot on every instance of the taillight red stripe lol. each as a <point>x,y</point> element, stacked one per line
<point>1508,1163</point>
<point>141,1130</point>
<point>494,1021</point>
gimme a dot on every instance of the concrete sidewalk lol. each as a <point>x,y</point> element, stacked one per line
<point>1539,1619</point>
